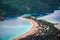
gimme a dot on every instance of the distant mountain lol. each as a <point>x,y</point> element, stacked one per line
<point>10,8</point>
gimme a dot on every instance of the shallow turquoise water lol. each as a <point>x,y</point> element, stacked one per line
<point>13,27</point>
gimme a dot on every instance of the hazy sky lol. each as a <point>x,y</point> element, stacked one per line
<point>53,17</point>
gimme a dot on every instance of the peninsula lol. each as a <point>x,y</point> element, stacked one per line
<point>40,30</point>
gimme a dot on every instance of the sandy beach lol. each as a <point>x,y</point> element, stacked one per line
<point>32,31</point>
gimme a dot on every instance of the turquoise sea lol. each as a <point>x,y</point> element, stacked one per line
<point>12,28</point>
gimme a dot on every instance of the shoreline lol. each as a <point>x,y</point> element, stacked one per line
<point>24,32</point>
<point>32,31</point>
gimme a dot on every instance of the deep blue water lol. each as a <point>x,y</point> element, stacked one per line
<point>11,28</point>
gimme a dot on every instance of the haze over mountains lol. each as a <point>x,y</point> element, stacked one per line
<point>11,8</point>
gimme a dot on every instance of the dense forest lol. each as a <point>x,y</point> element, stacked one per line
<point>13,8</point>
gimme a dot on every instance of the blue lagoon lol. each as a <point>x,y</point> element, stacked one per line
<point>13,27</point>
